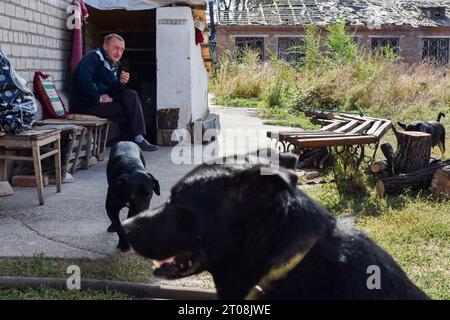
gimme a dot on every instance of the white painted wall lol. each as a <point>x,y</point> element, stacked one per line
<point>182,80</point>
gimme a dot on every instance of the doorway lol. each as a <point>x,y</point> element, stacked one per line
<point>138,28</point>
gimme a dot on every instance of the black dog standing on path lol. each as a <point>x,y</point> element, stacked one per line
<point>129,185</point>
<point>435,128</point>
<point>263,238</point>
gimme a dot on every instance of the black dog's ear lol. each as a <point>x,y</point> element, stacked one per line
<point>401,125</point>
<point>286,160</point>
<point>155,184</point>
<point>267,179</point>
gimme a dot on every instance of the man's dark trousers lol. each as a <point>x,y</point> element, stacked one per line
<point>126,109</point>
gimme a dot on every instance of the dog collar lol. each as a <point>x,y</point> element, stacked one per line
<point>278,272</point>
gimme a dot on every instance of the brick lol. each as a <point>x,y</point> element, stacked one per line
<point>20,12</point>
<point>29,15</point>
<point>44,19</point>
<point>25,51</point>
<point>16,50</point>
<point>5,22</point>
<point>33,27</point>
<point>6,48</point>
<point>27,181</point>
<point>10,10</point>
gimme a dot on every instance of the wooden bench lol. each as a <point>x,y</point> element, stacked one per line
<point>37,140</point>
<point>72,139</point>
<point>96,134</point>
<point>345,130</point>
<point>342,131</point>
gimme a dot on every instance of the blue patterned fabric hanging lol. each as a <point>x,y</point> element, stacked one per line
<point>17,105</point>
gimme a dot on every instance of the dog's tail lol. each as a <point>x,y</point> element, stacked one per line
<point>441,114</point>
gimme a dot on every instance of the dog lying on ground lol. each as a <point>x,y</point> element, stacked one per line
<point>435,128</point>
<point>129,185</point>
<point>262,238</point>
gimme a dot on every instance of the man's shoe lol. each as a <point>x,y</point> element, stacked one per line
<point>147,146</point>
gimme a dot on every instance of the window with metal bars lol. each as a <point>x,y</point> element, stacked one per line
<point>435,49</point>
<point>383,42</point>
<point>289,49</point>
<point>253,43</point>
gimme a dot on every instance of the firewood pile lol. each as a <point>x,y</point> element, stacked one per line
<point>411,166</point>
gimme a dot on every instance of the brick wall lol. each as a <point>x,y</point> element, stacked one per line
<point>34,35</point>
<point>410,38</point>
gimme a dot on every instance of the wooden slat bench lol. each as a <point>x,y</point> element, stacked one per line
<point>96,134</point>
<point>343,130</point>
<point>72,140</point>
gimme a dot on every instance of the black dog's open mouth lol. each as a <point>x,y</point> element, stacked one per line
<point>179,266</point>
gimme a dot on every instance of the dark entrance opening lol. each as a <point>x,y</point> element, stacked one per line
<point>138,28</point>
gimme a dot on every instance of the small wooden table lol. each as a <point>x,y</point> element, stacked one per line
<point>34,139</point>
<point>96,134</point>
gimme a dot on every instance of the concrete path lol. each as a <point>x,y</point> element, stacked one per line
<point>73,224</point>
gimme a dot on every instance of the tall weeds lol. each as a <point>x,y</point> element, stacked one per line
<point>335,73</point>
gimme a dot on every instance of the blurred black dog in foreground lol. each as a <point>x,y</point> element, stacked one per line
<point>262,238</point>
<point>129,185</point>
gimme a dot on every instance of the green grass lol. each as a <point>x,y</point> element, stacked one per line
<point>52,294</point>
<point>413,228</point>
<point>120,267</point>
<point>238,102</point>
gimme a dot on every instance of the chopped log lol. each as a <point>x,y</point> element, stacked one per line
<point>319,114</point>
<point>379,166</point>
<point>441,181</point>
<point>325,161</point>
<point>168,118</point>
<point>417,180</point>
<point>307,153</point>
<point>312,158</point>
<point>413,151</point>
<point>388,152</point>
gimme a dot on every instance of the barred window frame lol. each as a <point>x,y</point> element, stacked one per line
<point>284,46</point>
<point>252,42</point>
<point>393,43</point>
<point>436,49</point>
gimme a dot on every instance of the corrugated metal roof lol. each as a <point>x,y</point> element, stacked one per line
<point>136,4</point>
<point>354,12</point>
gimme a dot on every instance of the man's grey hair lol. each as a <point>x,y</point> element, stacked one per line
<point>111,36</point>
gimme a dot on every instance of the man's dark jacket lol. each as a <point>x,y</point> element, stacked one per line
<point>95,75</point>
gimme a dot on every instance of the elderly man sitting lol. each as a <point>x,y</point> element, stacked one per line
<point>98,88</point>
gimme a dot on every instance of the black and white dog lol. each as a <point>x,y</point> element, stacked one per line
<point>435,128</point>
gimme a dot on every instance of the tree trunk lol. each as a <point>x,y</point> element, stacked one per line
<point>312,158</point>
<point>413,151</point>
<point>441,181</point>
<point>417,180</point>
